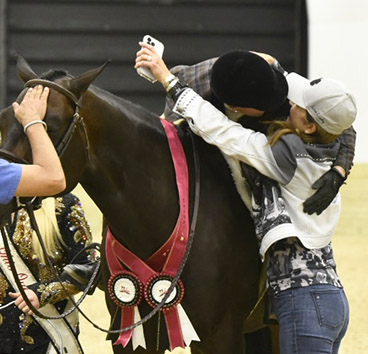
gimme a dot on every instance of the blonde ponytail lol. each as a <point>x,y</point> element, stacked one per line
<point>49,229</point>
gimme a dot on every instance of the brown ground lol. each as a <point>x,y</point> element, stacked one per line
<point>351,253</point>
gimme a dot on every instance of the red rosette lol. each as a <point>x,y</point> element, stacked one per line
<point>157,287</point>
<point>125,289</point>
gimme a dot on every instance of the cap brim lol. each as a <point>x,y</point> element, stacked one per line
<point>297,86</point>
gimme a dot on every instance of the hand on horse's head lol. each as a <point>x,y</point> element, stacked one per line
<point>33,106</point>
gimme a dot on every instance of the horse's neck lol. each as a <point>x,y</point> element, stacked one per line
<point>130,176</point>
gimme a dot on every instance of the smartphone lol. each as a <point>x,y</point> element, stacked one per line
<point>159,47</point>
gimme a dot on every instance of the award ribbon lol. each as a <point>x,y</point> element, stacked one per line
<point>158,272</point>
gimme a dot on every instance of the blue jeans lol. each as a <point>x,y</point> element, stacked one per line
<point>313,319</point>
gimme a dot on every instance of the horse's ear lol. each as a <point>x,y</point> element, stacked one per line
<point>80,84</point>
<point>24,70</point>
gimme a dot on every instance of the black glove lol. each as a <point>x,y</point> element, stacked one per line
<point>328,186</point>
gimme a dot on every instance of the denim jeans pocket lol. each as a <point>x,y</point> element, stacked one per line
<point>282,294</point>
<point>330,307</point>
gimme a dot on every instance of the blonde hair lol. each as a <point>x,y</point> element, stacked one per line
<point>49,229</point>
<point>278,128</point>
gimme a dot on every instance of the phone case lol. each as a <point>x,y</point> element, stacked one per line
<point>159,47</point>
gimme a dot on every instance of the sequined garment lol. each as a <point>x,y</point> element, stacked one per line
<point>20,333</point>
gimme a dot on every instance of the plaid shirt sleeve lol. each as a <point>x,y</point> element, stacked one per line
<point>196,77</point>
<point>347,150</point>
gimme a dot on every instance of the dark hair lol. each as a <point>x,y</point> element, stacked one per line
<point>52,75</point>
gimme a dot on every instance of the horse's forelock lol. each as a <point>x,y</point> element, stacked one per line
<point>54,74</point>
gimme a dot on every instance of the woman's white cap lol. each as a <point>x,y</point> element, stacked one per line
<point>326,100</point>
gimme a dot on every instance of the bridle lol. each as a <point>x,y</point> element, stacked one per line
<point>77,121</point>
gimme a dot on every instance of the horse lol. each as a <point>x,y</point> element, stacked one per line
<point>119,154</point>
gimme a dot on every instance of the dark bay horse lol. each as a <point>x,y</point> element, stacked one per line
<point>121,158</point>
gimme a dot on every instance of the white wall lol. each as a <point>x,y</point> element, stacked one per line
<point>338,48</point>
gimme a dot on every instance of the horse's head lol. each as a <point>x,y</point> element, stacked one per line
<point>65,126</point>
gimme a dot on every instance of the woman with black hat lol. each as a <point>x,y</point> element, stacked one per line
<point>253,93</point>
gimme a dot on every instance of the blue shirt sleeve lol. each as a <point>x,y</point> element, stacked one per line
<point>10,174</point>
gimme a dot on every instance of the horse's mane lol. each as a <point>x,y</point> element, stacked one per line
<point>140,112</point>
<point>125,105</point>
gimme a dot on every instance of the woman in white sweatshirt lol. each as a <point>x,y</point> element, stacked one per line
<point>306,293</point>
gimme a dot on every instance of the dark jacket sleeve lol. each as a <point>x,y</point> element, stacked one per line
<point>74,228</point>
<point>346,153</point>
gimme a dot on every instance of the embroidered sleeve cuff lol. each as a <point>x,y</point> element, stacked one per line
<point>183,102</point>
<point>55,292</point>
